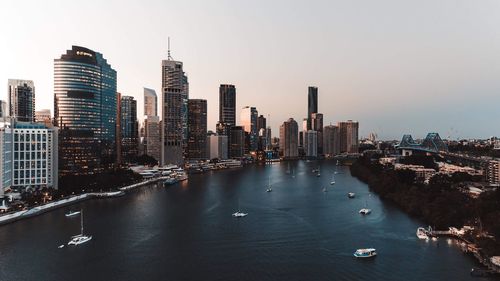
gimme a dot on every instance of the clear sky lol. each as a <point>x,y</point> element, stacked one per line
<point>396,66</point>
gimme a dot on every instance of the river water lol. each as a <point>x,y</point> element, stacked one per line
<point>186,232</point>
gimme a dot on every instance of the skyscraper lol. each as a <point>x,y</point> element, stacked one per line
<point>312,104</point>
<point>249,123</point>
<point>348,132</point>
<point>331,141</point>
<point>217,147</point>
<point>175,93</point>
<point>129,128</point>
<point>317,125</point>
<point>227,104</point>
<point>150,102</point>
<point>22,100</point>
<point>197,129</point>
<point>152,139</point>
<point>85,110</point>
<point>4,112</point>
<point>289,136</point>
<point>237,142</point>
<point>311,144</point>
<point>261,122</point>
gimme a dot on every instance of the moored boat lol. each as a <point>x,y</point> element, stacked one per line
<point>365,253</point>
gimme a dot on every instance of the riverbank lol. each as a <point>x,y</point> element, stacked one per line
<point>38,210</point>
<point>437,204</point>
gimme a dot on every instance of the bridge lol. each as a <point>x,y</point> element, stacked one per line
<point>431,144</point>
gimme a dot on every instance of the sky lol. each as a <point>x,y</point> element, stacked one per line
<point>395,66</point>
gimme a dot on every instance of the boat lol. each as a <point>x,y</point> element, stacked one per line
<point>60,246</point>
<point>365,253</point>
<point>479,272</point>
<point>80,238</point>
<point>422,233</point>
<point>239,214</point>
<point>434,238</point>
<point>72,213</point>
<point>365,210</point>
<point>269,189</point>
<point>319,173</point>
<point>333,180</point>
<point>351,194</point>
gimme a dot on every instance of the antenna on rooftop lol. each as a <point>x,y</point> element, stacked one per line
<point>169,57</point>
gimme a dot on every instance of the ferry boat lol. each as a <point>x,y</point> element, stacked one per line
<point>422,233</point>
<point>365,253</point>
<point>72,213</point>
<point>351,194</point>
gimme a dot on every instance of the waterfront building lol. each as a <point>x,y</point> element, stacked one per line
<point>197,129</point>
<point>85,110</point>
<point>129,128</point>
<point>4,112</point>
<point>175,94</point>
<point>261,122</point>
<point>493,172</point>
<point>288,141</point>
<point>317,125</point>
<point>311,144</point>
<point>150,102</point>
<point>331,141</point>
<point>237,142</point>
<point>152,138</point>
<point>349,141</point>
<point>312,104</point>
<point>29,156</point>
<point>268,138</point>
<point>217,147</point>
<point>22,100</point>
<point>248,121</point>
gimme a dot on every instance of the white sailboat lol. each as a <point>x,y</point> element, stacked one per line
<point>239,214</point>
<point>80,238</point>
<point>365,210</point>
<point>269,189</point>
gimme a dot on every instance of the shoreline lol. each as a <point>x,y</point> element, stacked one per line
<point>41,209</point>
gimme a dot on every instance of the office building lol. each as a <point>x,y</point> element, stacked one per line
<point>493,172</point>
<point>22,100</point>
<point>175,94</point>
<point>150,102</point>
<point>317,125</point>
<point>311,144</point>
<point>197,129</point>
<point>248,121</point>
<point>152,139</point>
<point>349,141</point>
<point>4,112</point>
<point>129,129</point>
<point>331,141</point>
<point>85,110</point>
<point>236,142</point>
<point>312,104</point>
<point>288,141</point>
<point>227,105</point>
<point>217,147</point>
<point>261,122</point>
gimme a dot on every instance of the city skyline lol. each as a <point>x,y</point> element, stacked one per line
<point>375,58</point>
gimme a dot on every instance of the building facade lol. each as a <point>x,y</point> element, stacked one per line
<point>175,94</point>
<point>349,140</point>
<point>152,139</point>
<point>311,144</point>
<point>217,147</point>
<point>129,129</point>
<point>22,100</point>
<point>288,142</point>
<point>197,129</point>
<point>248,121</point>
<point>150,102</point>
<point>312,104</point>
<point>85,110</point>
<point>227,105</point>
<point>237,142</point>
<point>331,141</point>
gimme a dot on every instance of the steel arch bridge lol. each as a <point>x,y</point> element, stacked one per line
<point>432,144</point>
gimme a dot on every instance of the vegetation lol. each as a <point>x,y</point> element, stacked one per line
<point>439,203</point>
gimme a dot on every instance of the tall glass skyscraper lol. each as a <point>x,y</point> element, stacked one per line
<point>85,110</point>
<point>197,136</point>
<point>227,105</point>
<point>22,100</point>
<point>312,104</point>
<point>129,128</point>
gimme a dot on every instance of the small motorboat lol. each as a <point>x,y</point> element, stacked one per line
<point>239,214</point>
<point>61,246</point>
<point>365,253</point>
<point>72,213</point>
<point>351,194</point>
<point>365,211</point>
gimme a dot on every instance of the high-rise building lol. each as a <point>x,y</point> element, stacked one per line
<point>311,144</point>
<point>43,116</point>
<point>349,141</point>
<point>217,147</point>
<point>288,142</point>
<point>197,129</point>
<point>152,139</point>
<point>493,172</point>
<point>150,102</point>
<point>85,110</point>
<point>317,125</point>
<point>227,105</point>
<point>4,112</point>
<point>22,100</point>
<point>261,122</point>
<point>331,141</point>
<point>269,144</point>
<point>129,128</point>
<point>248,121</point>
<point>237,142</point>
<point>312,104</point>
<point>175,94</point>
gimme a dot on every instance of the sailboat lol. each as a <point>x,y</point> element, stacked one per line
<point>80,238</point>
<point>319,173</point>
<point>239,214</point>
<point>365,210</point>
<point>269,189</point>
